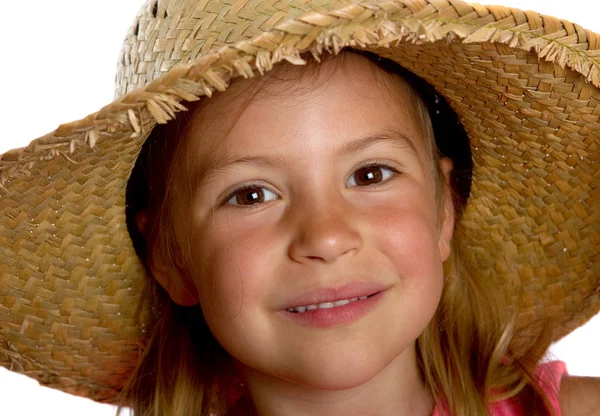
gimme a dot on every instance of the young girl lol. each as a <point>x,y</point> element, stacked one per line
<point>336,236</point>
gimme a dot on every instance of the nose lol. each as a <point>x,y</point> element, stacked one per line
<point>324,231</point>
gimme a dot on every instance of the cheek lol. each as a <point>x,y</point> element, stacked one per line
<point>407,236</point>
<point>407,240</point>
<point>234,273</point>
<point>231,271</point>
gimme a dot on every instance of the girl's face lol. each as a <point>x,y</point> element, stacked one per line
<point>314,218</point>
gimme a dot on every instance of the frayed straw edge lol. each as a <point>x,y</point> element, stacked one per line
<point>28,366</point>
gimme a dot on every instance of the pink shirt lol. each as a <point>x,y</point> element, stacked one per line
<point>549,376</point>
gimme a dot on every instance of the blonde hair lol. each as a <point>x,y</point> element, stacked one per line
<point>464,353</point>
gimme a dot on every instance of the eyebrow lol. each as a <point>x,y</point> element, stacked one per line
<point>396,139</point>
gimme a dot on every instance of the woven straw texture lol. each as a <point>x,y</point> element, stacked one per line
<point>525,86</point>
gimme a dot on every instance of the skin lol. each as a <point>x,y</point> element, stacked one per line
<point>580,396</point>
<point>317,227</point>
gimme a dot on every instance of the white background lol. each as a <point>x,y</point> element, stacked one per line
<point>57,65</point>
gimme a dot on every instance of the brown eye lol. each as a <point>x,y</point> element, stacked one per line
<point>373,174</point>
<point>249,195</point>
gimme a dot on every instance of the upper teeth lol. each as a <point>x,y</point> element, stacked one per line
<point>324,305</point>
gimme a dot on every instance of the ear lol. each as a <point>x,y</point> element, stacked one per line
<point>180,289</point>
<point>447,215</point>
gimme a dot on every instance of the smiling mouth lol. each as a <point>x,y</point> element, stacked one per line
<point>328,305</point>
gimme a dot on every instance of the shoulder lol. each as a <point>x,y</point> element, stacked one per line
<point>579,396</point>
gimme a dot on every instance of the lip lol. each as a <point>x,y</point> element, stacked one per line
<point>336,316</point>
<point>331,294</point>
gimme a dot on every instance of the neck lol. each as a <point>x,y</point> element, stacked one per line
<point>397,390</point>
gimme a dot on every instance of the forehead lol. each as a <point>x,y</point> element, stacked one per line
<point>345,96</point>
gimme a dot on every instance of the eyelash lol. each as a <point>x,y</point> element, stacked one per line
<point>253,185</point>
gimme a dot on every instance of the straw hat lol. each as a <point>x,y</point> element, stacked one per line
<point>525,86</point>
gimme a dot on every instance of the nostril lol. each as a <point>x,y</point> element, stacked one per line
<point>155,10</point>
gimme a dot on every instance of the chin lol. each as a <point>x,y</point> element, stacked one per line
<point>337,377</point>
<point>336,383</point>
